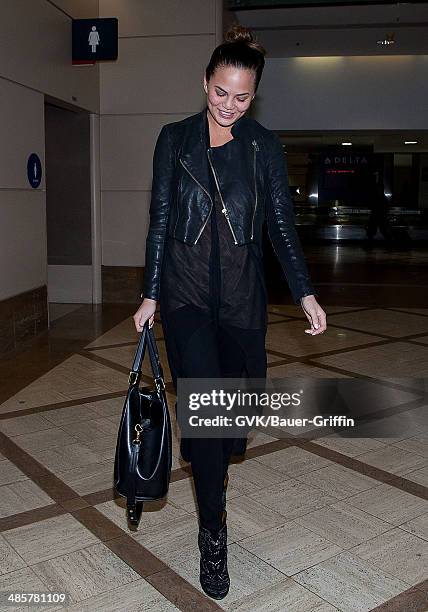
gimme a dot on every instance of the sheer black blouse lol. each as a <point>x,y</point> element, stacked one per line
<point>215,274</point>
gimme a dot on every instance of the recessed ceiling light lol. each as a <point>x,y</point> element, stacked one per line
<point>410,142</point>
<point>347,144</point>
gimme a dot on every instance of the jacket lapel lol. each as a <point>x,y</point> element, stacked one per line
<point>194,149</point>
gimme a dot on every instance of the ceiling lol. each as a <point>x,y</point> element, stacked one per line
<point>337,30</point>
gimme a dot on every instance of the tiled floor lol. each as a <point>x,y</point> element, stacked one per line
<point>316,524</point>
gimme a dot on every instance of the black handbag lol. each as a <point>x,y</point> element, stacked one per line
<point>143,459</point>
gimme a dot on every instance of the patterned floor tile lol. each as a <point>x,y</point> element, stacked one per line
<point>138,596</point>
<point>399,360</point>
<point>25,581</point>
<point>351,584</point>
<point>389,504</point>
<point>290,547</point>
<point>89,478</point>
<point>246,517</point>
<point>290,338</point>
<point>338,481</point>
<point>293,461</point>
<point>10,561</point>
<point>85,573</point>
<point>352,447</point>
<point>395,460</point>
<point>286,595</point>
<point>9,473</point>
<point>155,514</point>
<point>22,496</point>
<point>398,553</point>
<point>382,321</point>
<point>418,526</point>
<point>49,538</point>
<point>343,524</point>
<point>293,498</point>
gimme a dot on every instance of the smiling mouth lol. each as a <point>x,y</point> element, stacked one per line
<point>225,113</point>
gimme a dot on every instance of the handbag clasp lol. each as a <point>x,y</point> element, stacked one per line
<point>138,429</point>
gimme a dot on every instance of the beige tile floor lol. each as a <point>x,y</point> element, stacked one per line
<point>381,321</point>
<point>312,527</point>
<point>387,361</point>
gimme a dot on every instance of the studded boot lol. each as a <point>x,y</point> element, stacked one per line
<point>214,575</point>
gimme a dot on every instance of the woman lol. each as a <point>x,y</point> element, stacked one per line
<point>217,175</point>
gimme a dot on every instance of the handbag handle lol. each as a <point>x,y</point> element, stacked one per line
<point>147,337</point>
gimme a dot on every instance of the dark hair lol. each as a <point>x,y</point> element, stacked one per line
<point>240,49</point>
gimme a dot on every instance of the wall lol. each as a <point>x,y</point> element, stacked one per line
<point>23,211</point>
<point>336,93</point>
<point>35,60</point>
<point>36,49</point>
<point>163,50</point>
<point>164,47</point>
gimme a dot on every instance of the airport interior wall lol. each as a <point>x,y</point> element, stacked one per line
<point>35,61</point>
<point>366,92</point>
<point>158,79</point>
<point>163,49</point>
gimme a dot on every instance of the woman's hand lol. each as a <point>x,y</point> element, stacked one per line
<point>146,311</point>
<point>315,315</point>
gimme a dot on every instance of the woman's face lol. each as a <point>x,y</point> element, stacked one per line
<point>229,93</point>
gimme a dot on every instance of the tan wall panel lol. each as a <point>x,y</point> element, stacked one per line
<point>36,52</point>
<point>164,47</point>
<point>127,145</point>
<point>78,9</point>
<point>124,226</point>
<point>156,75</point>
<point>22,128</point>
<point>22,241</point>
<point>163,17</point>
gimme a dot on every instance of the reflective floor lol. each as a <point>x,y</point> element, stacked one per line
<point>318,524</point>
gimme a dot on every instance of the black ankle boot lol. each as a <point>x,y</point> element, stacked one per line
<point>214,576</point>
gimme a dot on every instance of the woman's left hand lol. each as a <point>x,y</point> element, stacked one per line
<point>315,315</point>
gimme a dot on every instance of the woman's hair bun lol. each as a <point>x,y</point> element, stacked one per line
<point>240,33</point>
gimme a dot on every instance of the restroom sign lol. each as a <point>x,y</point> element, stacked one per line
<point>94,40</point>
<point>34,170</point>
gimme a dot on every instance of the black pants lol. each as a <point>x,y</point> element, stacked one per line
<point>204,349</point>
<point>199,346</point>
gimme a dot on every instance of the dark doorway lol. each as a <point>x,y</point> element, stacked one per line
<point>68,205</point>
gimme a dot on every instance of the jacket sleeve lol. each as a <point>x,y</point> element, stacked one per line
<point>281,223</point>
<point>163,169</point>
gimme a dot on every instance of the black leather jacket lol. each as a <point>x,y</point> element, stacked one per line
<point>253,187</point>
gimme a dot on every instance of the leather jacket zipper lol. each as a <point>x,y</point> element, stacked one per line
<point>256,148</point>
<point>203,188</point>
<point>224,209</point>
